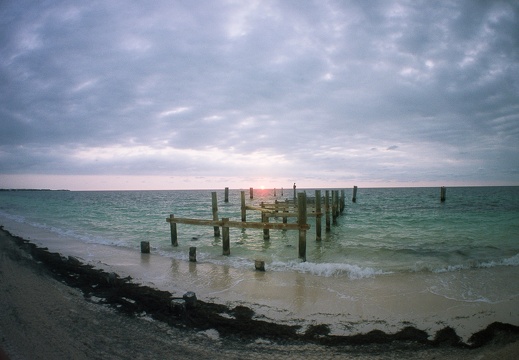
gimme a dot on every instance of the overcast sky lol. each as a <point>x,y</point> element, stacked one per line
<point>208,94</point>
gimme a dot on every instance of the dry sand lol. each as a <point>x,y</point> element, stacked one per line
<point>43,318</point>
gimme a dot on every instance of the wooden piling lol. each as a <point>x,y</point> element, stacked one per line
<point>225,237</point>
<point>285,210</point>
<point>192,254</point>
<point>173,228</point>
<point>327,209</point>
<point>243,209</point>
<point>265,219</point>
<point>215,214</point>
<point>226,196</point>
<point>178,307</point>
<point>251,191</point>
<point>190,299</point>
<point>354,197</point>
<point>443,191</point>
<point>301,220</point>
<point>295,197</point>
<point>342,202</point>
<point>259,265</point>
<point>335,211</point>
<point>318,215</point>
<point>145,247</point>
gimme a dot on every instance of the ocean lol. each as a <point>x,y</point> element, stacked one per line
<point>396,255</point>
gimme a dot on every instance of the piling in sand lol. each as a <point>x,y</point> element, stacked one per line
<point>145,247</point>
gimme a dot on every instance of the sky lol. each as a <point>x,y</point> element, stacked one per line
<point>107,95</point>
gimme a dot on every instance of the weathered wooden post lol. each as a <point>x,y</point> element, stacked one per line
<point>251,191</point>
<point>274,192</point>
<point>334,207</point>
<point>215,214</point>
<point>354,197</point>
<point>173,227</point>
<point>178,307</point>
<point>259,265</point>
<point>285,210</point>
<point>145,247</point>
<point>265,219</point>
<point>243,208</point>
<point>192,254</point>
<point>342,201</point>
<point>327,209</point>
<point>318,215</point>
<point>443,191</point>
<point>301,220</point>
<point>226,197</point>
<point>190,299</point>
<point>295,197</point>
<point>225,234</point>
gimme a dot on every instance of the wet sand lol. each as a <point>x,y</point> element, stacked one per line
<point>55,307</point>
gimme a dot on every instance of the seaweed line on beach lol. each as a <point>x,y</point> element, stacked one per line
<point>232,322</point>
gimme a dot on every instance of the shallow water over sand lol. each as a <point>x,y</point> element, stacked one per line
<point>428,301</point>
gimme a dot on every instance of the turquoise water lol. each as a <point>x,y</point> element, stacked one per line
<point>392,230</point>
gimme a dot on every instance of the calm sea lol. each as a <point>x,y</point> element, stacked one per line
<point>390,230</point>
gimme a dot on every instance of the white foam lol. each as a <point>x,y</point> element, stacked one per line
<point>327,269</point>
<point>511,261</point>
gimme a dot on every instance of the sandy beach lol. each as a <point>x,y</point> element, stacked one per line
<point>49,312</point>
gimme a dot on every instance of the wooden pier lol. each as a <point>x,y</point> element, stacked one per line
<point>300,208</point>
<point>226,223</point>
<point>329,206</point>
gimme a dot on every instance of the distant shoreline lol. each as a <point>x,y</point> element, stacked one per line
<point>33,190</point>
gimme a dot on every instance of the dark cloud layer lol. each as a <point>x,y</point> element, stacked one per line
<point>375,91</point>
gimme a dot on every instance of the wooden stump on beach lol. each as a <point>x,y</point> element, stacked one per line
<point>190,299</point>
<point>145,247</point>
<point>178,306</point>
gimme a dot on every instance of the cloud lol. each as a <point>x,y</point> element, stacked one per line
<point>229,89</point>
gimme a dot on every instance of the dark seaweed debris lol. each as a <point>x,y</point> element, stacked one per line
<point>237,322</point>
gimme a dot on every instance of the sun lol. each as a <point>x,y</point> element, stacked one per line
<point>262,187</point>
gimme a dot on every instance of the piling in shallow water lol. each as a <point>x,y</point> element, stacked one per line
<point>173,228</point>
<point>215,213</point>
<point>259,265</point>
<point>301,219</point>
<point>327,209</point>
<point>443,191</point>
<point>318,215</point>
<point>226,239</point>
<point>192,254</point>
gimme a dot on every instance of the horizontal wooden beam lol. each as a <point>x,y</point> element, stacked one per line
<point>239,224</point>
<point>282,214</point>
